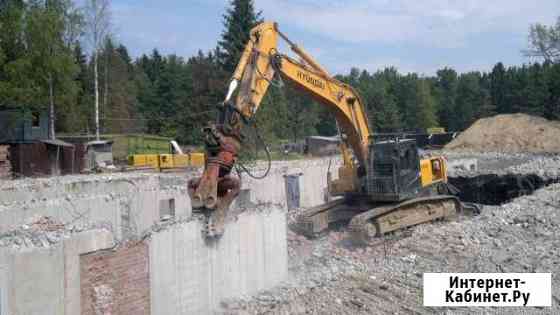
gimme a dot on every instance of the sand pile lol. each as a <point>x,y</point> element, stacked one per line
<point>510,133</point>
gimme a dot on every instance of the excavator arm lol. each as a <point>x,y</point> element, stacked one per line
<point>260,62</point>
<point>259,65</point>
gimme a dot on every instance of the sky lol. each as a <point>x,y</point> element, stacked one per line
<point>413,35</point>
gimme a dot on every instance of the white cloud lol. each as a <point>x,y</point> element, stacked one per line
<point>413,35</point>
<point>441,23</point>
<point>151,25</point>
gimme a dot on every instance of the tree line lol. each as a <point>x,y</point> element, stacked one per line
<point>454,100</point>
<point>45,63</point>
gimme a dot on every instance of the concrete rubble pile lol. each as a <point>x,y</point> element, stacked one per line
<point>546,165</point>
<point>329,275</point>
<point>43,232</point>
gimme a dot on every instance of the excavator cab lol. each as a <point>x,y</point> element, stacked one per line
<point>393,170</point>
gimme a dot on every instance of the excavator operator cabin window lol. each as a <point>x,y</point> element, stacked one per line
<point>436,169</point>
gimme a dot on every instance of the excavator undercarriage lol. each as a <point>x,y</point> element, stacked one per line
<point>367,221</point>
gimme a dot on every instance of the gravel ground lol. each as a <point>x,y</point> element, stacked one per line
<point>545,165</point>
<point>330,276</point>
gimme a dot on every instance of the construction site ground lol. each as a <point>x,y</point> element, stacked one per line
<point>329,275</point>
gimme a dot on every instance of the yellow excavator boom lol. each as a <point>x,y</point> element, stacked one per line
<point>260,62</point>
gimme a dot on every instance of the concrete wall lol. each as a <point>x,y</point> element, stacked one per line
<point>186,275</point>
<point>38,287</point>
<point>312,182</point>
<point>129,202</point>
<point>175,271</point>
<point>46,280</point>
<point>189,276</point>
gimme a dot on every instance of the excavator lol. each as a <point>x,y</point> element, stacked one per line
<point>382,186</point>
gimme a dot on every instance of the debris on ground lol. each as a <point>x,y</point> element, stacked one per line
<point>329,275</point>
<point>43,231</point>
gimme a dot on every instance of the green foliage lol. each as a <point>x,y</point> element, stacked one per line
<point>37,67</point>
<point>239,19</point>
<point>51,57</point>
<point>425,106</point>
<point>446,92</point>
<point>79,117</point>
<point>16,83</point>
<point>172,96</point>
<point>552,106</point>
<point>536,91</point>
<point>468,93</point>
<point>498,88</point>
<point>119,93</point>
<point>544,41</point>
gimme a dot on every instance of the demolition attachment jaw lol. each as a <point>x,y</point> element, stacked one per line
<point>213,192</point>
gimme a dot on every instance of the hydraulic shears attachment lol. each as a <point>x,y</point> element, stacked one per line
<point>213,192</point>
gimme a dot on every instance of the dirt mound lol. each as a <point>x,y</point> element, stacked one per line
<point>510,133</point>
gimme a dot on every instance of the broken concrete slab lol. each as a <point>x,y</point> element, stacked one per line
<point>130,204</point>
<point>459,165</point>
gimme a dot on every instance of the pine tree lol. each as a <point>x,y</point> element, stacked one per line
<point>77,118</point>
<point>146,95</point>
<point>381,105</point>
<point>446,87</point>
<point>272,116</point>
<point>206,91</point>
<point>302,115</point>
<point>486,108</point>
<point>326,125</point>
<point>537,91</point>
<point>468,99</point>
<point>425,106</point>
<point>149,87</point>
<point>497,88</point>
<point>552,109</point>
<point>406,96</point>
<point>517,80</point>
<point>119,92</point>
<point>238,22</point>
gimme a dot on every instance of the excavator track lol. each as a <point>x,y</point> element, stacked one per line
<point>315,220</point>
<point>380,220</point>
